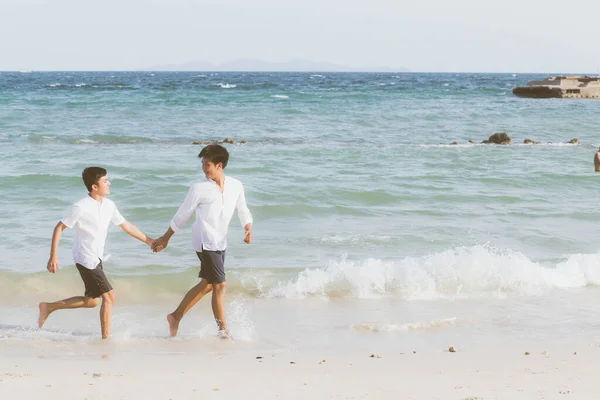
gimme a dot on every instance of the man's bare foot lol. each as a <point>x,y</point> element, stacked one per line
<point>173,324</point>
<point>224,334</point>
<point>43,314</point>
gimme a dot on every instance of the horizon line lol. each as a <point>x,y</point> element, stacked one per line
<point>291,70</point>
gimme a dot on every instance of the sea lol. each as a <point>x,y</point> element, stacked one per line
<point>372,230</point>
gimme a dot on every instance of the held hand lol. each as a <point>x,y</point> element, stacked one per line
<point>159,244</point>
<point>52,266</point>
<point>248,236</point>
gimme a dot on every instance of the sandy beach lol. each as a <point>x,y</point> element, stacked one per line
<point>503,372</point>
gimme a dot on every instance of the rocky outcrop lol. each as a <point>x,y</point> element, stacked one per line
<point>227,140</point>
<point>499,138</point>
<point>529,141</point>
<point>504,138</point>
<point>205,142</point>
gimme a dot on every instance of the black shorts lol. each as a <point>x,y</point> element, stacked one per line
<point>96,283</point>
<point>212,266</point>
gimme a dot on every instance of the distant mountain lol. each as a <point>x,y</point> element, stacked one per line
<point>254,65</point>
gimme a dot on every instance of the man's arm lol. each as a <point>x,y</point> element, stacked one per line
<point>133,231</point>
<point>245,216</point>
<point>52,265</point>
<point>183,214</point>
<point>162,242</point>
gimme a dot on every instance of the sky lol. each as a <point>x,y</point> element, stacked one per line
<point>421,35</point>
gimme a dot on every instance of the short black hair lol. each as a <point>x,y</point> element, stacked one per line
<point>215,153</point>
<point>91,175</point>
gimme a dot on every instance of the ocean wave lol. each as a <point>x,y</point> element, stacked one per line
<point>239,86</point>
<point>271,211</point>
<point>226,85</point>
<point>21,182</point>
<point>463,272</point>
<point>92,139</point>
<point>104,86</point>
<point>354,239</point>
<point>403,327</point>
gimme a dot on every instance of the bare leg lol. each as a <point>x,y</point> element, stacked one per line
<point>218,306</point>
<point>72,302</point>
<point>189,300</point>
<point>108,300</point>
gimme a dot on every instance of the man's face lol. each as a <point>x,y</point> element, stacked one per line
<point>103,186</point>
<point>210,169</point>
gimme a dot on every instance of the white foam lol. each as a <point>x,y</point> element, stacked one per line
<point>403,327</point>
<point>462,272</point>
<point>355,239</point>
<point>364,279</point>
<point>226,85</point>
<point>280,96</point>
<point>239,321</point>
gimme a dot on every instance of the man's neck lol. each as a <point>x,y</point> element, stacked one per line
<point>96,197</point>
<point>220,180</point>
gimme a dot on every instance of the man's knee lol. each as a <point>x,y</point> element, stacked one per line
<point>219,288</point>
<point>91,302</point>
<point>205,287</point>
<point>108,297</point>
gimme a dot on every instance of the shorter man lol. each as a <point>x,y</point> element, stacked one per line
<point>213,200</point>
<point>597,160</point>
<point>90,217</point>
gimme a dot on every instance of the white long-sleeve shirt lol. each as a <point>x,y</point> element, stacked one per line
<point>214,210</point>
<point>90,220</point>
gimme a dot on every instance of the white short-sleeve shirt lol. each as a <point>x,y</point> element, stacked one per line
<point>90,219</point>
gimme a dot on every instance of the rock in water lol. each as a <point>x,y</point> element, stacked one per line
<point>500,138</point>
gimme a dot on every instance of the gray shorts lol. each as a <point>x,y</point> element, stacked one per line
<point>95,281</point>
<point>212,265</point>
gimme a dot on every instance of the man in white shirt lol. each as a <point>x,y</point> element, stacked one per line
<point>213,200</point>
<point>90,217</point>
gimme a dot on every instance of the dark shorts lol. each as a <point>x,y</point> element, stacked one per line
<point>96,283</point>
<point>212,266</point>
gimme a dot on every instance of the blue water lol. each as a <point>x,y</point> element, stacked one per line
<point>355,188</point>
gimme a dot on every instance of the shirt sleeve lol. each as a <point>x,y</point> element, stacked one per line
<point>117,218</point>
<point>72,216</point>
<point>186,209</point>
<point>242,209</point>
